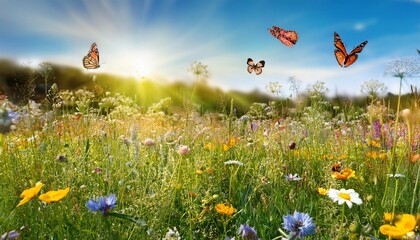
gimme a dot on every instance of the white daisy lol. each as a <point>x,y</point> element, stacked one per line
<point>397,175</point>
<point>345,196</point>
<point>233,162</point>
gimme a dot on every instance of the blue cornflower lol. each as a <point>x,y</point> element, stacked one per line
<point>248,232</point>
<point>103,204</point>
<point>7,119</point>
<point>299,225</point>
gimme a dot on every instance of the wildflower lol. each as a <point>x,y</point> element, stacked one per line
<point>172,234</point>
<point>30,193</point>
<point>210,170</point>
<point>7,119</point>
<point>247,232</point>
<point>322,191</point>
<point>103,204</point>
<point>230,143</point>
<point>344,174</point>
<point>403,228</point>
<point>54,196</point>
<point>291,177</point>
<point>388,217</point>
<point>414,157</point>
<point>397,175</point>
<point>377,130</point>
<point>199,171</point>
<point>149,142</point>
<point>299,225</point>
<point>345,196</point>
<point>233,162</point>
<point>208,146</point>
<point>244,118</point>
<point>97,170</point>
<point>225,209</point>
<point>11,235</point>
<point>183,150</point>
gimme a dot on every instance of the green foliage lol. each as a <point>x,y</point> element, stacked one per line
<point>113,145</point>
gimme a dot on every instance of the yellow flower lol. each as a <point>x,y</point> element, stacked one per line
<point>322,191</point>
<point>225,209</point>
<point>403,227</point>
<point>373,143</point>
<point>30,193</point>
<point>208,146</point>
<point>231,142</point>
<point>54,196</point>
<point>388,217</point>
<point>344,174</point>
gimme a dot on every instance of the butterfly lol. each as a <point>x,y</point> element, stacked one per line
<point>288,37</point>
<point>344,59</point>
<point>91,60</point>
<point>256,67</point>
<point>336,167</point>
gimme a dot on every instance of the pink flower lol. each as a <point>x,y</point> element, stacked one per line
<point>183,150</point>
<point>149,142</point>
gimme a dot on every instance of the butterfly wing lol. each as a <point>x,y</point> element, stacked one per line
<point>352,57</point>
<point>91,60</point>
<point>258,67</point>
<point>251,65</point>
<point>287,37</point>
<point>340,50</point>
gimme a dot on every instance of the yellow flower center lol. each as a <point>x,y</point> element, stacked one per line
<point>344,196</point>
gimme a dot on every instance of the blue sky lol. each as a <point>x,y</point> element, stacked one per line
<point>159,39</point>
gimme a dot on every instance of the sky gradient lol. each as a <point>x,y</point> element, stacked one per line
<point>159,39</point>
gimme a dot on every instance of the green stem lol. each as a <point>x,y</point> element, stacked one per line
<point>342,222</point>
<point>394,199</point>
<point>392,168</point>
<point>415,196</point>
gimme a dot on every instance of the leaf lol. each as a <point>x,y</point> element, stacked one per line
<point>133,219</point>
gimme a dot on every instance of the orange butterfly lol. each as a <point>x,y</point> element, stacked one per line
<point>256,67</point>
<point>344,59</point>
<point>288,37</point>
<point>91,60</point>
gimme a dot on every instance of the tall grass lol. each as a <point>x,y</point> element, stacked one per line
<point>97,153</point>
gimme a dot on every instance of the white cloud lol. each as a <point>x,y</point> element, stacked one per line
<point>360,26</point>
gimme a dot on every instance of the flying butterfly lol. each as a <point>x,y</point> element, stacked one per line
<point>288,37</point>
<point>257,68</point>
<point>91,60</point>
<point>344,59</point>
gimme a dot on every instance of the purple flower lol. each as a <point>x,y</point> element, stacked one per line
<point>377,133</point>
<point>103,204</point>
<point>299,225</point>
<point>248,232</point>
<point>10,235</point>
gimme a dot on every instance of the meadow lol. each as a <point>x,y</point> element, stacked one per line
<point>96,165</point>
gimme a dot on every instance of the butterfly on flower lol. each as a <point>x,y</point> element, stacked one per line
<point>288,37</point>
<point>257,68</point>
<point>344,59</point>
<point>91,60</point>
<point>336,167</point>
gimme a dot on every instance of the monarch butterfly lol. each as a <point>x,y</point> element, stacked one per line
<point>288,37</point>
<point>344,59</point>
<point>256,67</point>
<point>91,60</point>
<point>336,167</point>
